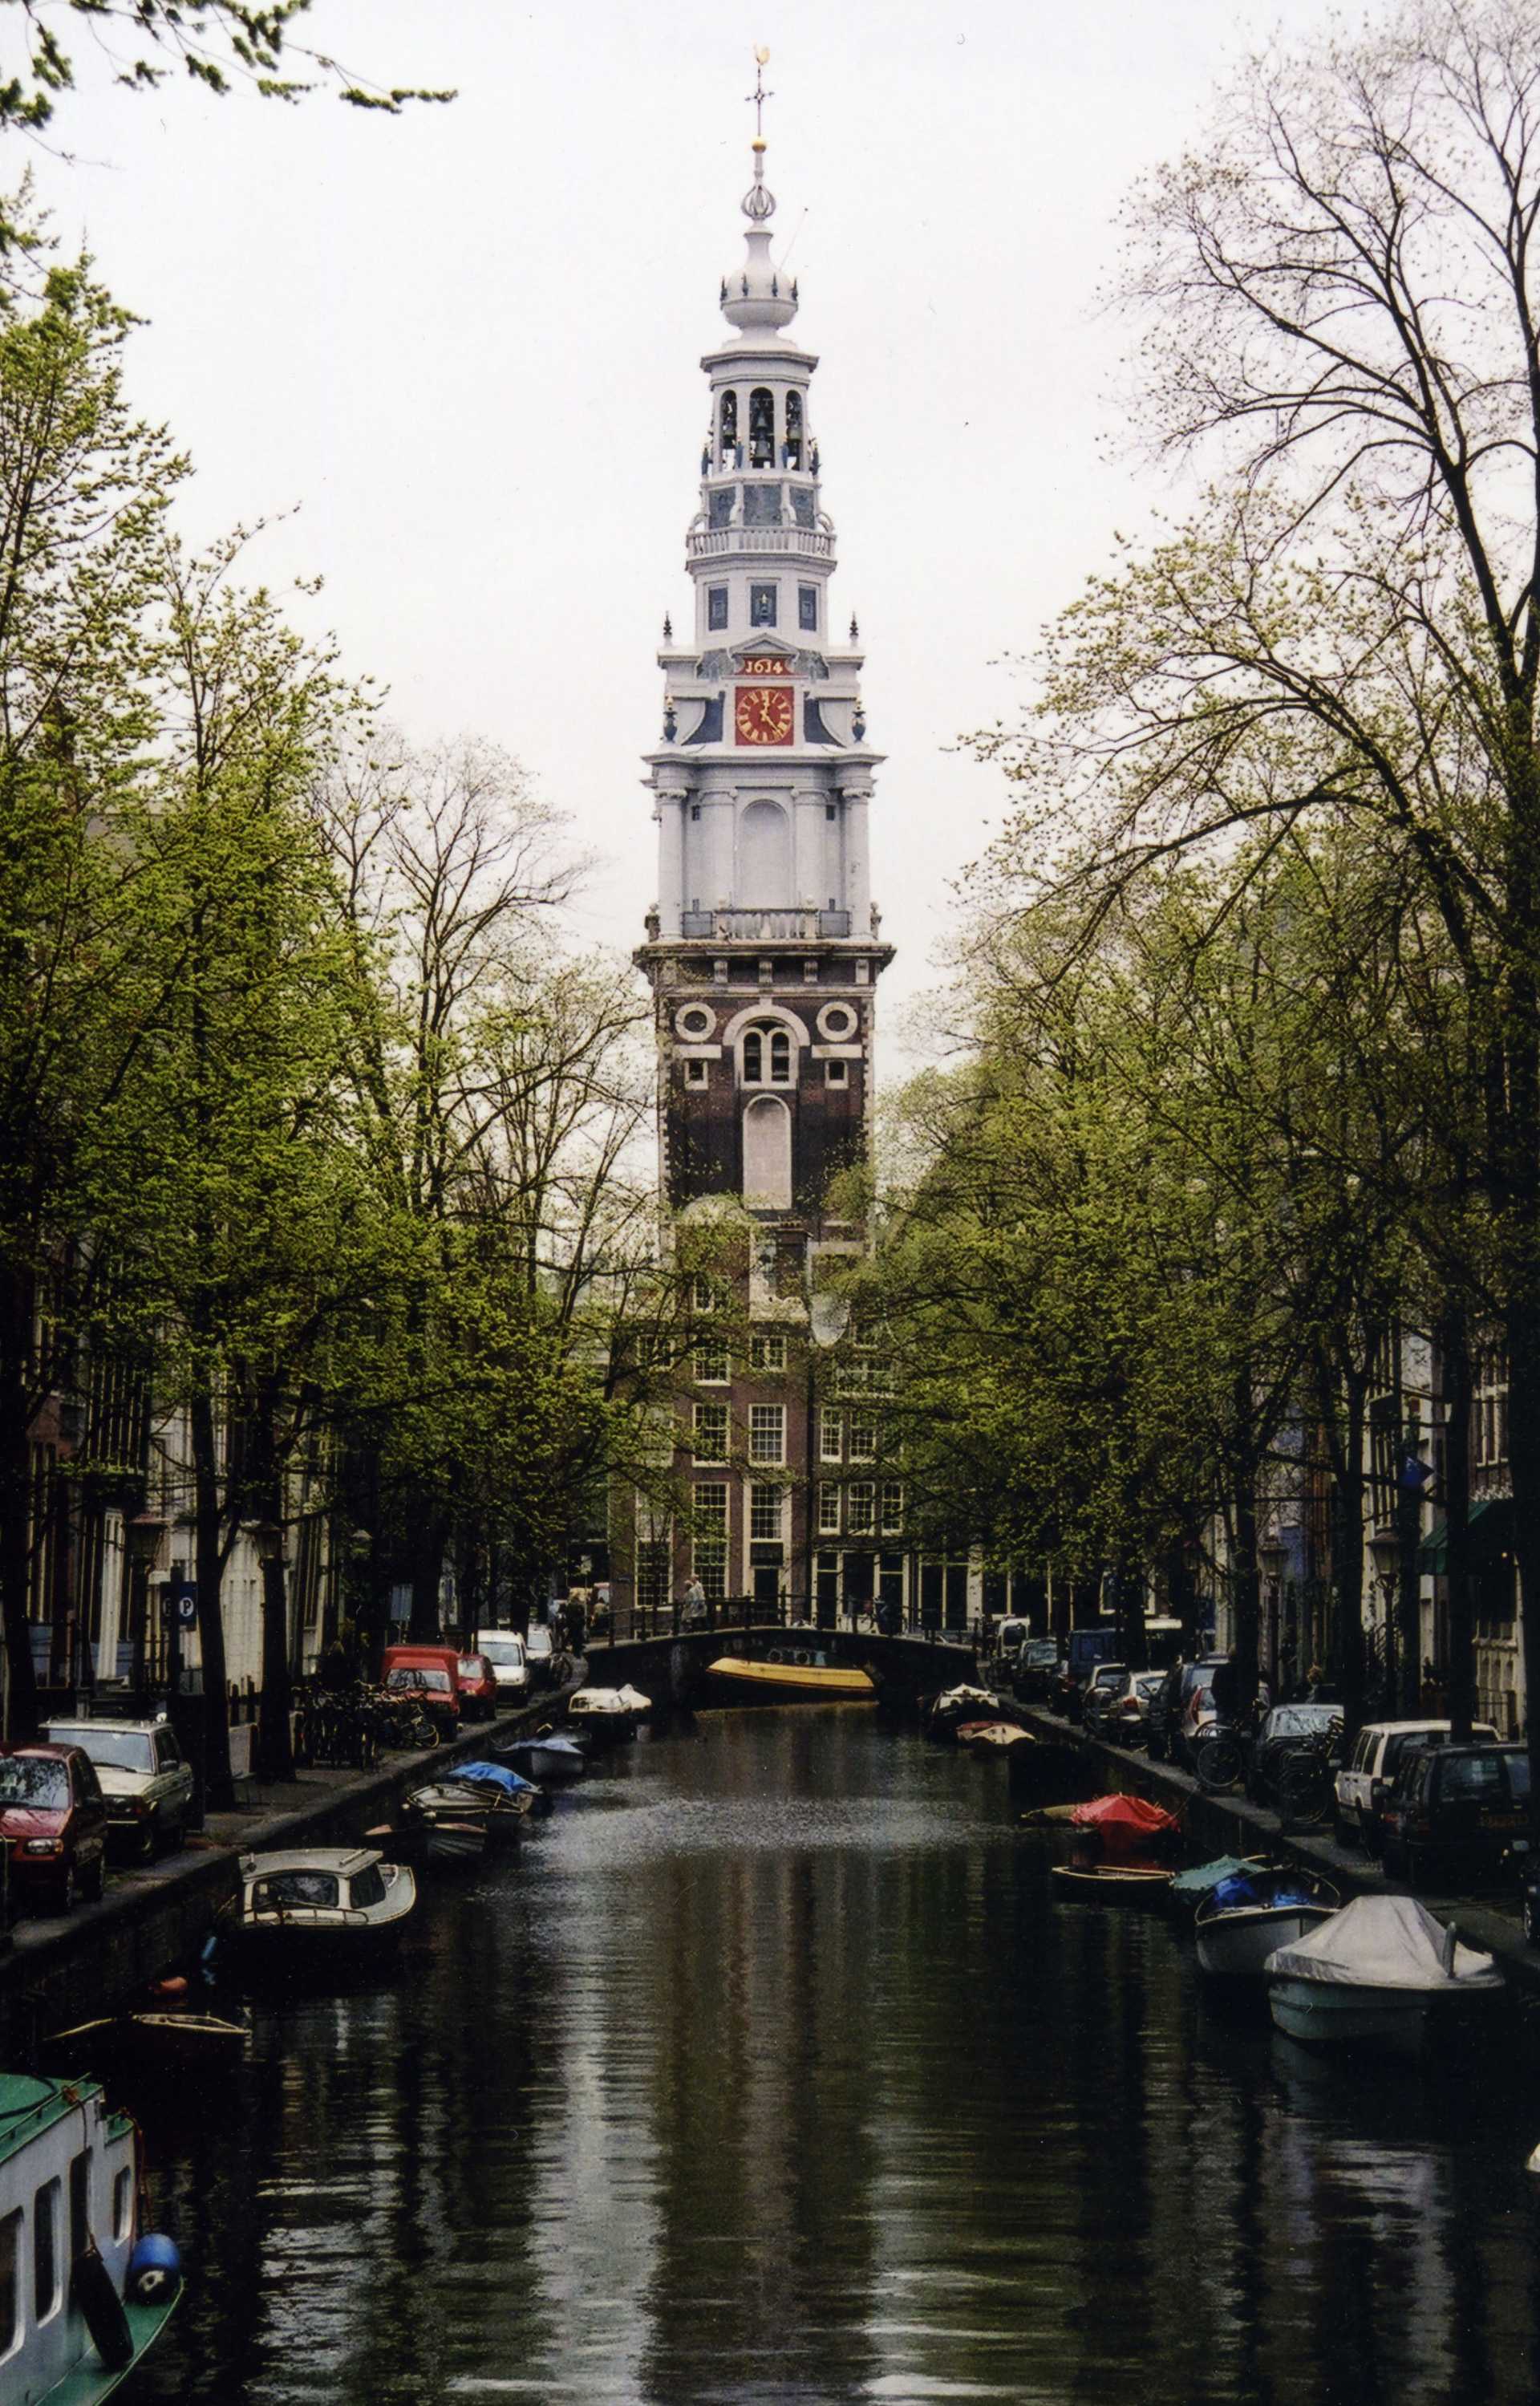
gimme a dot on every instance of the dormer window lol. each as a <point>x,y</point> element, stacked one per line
<point>767,1055</point>
<point>794,430</point>
<point>761,426</point>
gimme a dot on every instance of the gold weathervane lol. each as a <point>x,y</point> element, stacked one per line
<point>760,95</point>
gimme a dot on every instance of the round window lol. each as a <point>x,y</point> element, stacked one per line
<point>836,1022</point>
<point>695,1023</point>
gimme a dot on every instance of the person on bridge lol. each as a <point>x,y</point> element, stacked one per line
<point>695,1613</point>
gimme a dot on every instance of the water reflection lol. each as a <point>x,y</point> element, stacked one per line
<point>771,2072</point>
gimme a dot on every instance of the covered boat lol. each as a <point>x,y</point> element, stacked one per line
<point>955,1707</point>
<point>1123,1824</point>
<point>84,2295</point>
<point>1382,1971</point>
<point>607,1715</point>
<point>1191,1886</point>
<point>992,1737</point>
<point>791,1676</point>
<point>549,1759</point>
<point>1243,1918</point>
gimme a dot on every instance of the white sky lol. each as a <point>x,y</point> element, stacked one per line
<point>462,346</point>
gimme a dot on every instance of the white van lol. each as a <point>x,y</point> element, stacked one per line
<point>504,1650</point>
<point>1375,1754</point>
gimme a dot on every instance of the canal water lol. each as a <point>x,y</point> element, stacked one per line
<point>770,2072</point>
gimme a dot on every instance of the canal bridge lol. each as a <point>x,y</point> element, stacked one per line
<point>669,1664</point>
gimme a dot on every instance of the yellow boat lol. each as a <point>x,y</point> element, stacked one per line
<point>797,1676</point>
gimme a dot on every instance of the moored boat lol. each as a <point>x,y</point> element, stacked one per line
<point>992,1737</point>
<point>791,1676</point>
<point>1245,1918</point>
<point>1382,1972</point>
<point>1113,1883</point>
<point>956,1707</point>
<point>1124,1825</point>
<point>445,1823</point>
<point>549,1759</point>
<point>333,1908</point>
<point>607,1715</point>
<point>171,2043</point>
<point>97,2294</point>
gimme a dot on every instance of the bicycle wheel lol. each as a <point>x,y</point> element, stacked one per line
<point>1304,1789</point>
<point>1218,1762</point>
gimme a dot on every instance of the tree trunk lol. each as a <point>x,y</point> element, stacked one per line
<point>274,1726</point>
<point>1245,1589</point>
<point>218,1787</point>
<point>1455,1350</point>
<point>1343,1418</point>
<point>427,1574</point>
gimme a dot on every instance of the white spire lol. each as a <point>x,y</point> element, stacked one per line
<point>757,299</point>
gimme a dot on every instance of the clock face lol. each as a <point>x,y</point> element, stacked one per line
<point>763,713</point>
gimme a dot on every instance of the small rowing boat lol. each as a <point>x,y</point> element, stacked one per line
<point>1113,1883</point>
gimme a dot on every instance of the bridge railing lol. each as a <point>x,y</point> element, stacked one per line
<point>623,1624</point>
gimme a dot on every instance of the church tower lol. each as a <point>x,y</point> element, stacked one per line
<point>763,950</point>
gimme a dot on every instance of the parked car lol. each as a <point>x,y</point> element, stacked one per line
<point>1121,1712</point>
<point>477,1687</point>
<point>54,1818</point>
<point>1375,1756</point>
<point>506,1651</point>
<point>1037,1670</point>
<point>1285,1731</point>
<point>1453,1812</point>
<point>1107,1680</point>
<point>144,1778</point>
<point>1174,1713</point>
<point>431,1673</point>
<point>539,1653</point>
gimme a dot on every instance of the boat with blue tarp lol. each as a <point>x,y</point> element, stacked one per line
<point>1246,1916</point>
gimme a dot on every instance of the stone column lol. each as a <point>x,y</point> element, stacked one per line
<point>671,897</point>
<point>857,894</point>
<point>808,869</point>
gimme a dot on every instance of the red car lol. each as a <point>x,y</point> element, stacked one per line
<point>477,1687</point>
<point>54,1820</point>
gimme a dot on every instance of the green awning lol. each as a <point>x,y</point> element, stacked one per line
<point>1491,1534</point>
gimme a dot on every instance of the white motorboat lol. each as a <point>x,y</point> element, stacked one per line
<point>1382,1972</point>
<point>1245,1917</point>
<point>83,2295</point>
<point>338,1904</point>
<point>547,1759</point>
<point>609,1715</point>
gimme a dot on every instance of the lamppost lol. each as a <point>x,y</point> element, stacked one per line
<point>828,1316</point>
<point>1273,1556</point>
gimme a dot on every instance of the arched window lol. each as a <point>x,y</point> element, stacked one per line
<point>761,426</point>
<point>767,1055</point>
<point>729,430</point>
<point>767,1153</point>
<point>794,430</point>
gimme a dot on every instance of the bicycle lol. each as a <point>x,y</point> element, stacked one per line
<point>1306,1784</point>
<point>1218,1756</point>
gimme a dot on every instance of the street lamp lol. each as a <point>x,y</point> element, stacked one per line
<point>828,1316</point>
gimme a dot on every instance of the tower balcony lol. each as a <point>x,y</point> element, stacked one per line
<point>715,543</point>
<point>792,927</point>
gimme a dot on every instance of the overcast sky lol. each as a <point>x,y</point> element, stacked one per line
<point>462,347</point>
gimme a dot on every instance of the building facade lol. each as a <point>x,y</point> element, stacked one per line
<point>763,954</point>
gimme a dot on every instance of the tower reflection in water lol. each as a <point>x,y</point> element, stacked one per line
<point>771,2070</point>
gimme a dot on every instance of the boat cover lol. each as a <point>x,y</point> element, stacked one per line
<point>1130,1815</point>
<point>551,1742</point>
<point>497,1773</point>
<point>992,1734</point>
<point>962,1699</point>
<point>1251,1887</point>
<point>1382,1942</point>
<point>1204,1877</point>
<point>634,1697</point>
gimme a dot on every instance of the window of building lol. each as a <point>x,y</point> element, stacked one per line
<point>829,1510</point>
<point>863,1440</point>
<point>716,610</point>
<point>861,1508</point>
<point>47,2290</point>
<point>767,1432</point>
<point>836,1073</point>
<point>807,608</point>
<point>695,1073</point>
<point>768,1352</point>
<point>711,1432</point>
<point>711,1365</point>
<point>767,1153</point>
<point>761,605</point>
<point>695,815</point>
<point>767,1056</point>
<point>893,1507</point>
<point>729,425</point>
<point>705,1294</point>
<point>709,1550</point>
<point>831,1436</point>
<point>765,1509</point>
<point>830,810</point>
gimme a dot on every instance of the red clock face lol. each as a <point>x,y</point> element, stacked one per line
<point>762,714</point>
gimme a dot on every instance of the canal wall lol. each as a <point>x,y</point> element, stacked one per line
<point>61,1971</point>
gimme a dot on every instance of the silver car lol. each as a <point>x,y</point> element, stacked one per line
<point>504,1650</point>
<point>146,1781</point>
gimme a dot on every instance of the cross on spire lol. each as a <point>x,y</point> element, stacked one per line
<point>760,95</point>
